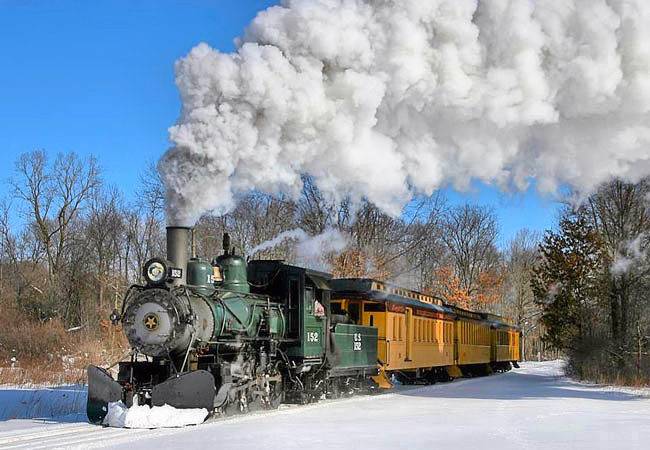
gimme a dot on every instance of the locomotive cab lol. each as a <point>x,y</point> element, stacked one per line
<point>306,296</point>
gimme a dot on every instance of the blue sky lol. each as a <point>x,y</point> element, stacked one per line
<point>97,77</point>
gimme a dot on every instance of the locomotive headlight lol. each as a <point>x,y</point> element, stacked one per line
<point>155,271</point>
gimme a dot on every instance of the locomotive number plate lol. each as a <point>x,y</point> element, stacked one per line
<point>312,336</point>
<point>357,342</point>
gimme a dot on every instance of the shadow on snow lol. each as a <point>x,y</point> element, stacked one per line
<point>518,386</point>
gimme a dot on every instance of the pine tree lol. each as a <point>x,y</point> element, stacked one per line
<point>566,280</point>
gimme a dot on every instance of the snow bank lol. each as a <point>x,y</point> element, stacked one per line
<point>555,368</point>
<point>152,417</point>
<point>19,402</point>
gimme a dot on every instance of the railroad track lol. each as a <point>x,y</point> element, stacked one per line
<point>87,436</point>
<point>71,436</point>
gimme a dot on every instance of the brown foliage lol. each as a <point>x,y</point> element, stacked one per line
<point>450,288</point>
<point>32,351</point>
<point>356,263</point>
<point>489,287</point>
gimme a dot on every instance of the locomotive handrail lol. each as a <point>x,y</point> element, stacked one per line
<point>187,353</point>
<point>125,300</point>
<point>189,303</point>
<point>275,274</point>
<point>284,320</point>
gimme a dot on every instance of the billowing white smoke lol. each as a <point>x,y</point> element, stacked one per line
<point>280,238</point>
<point>389,99</point>
<point>310,251</point>
<point>313,252</point>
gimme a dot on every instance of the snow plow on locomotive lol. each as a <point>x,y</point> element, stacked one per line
<point>232,336</point>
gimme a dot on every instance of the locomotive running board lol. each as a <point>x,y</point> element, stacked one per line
<point>186,390</point>
<point>102,389</point>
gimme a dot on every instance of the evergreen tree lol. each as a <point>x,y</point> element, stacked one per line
<point>566,280</point>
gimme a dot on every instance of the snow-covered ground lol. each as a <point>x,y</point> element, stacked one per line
<point>530,408</point>
<point>24,402</point>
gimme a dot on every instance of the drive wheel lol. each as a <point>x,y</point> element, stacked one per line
<point>276,397</point>
<point>333,391</point>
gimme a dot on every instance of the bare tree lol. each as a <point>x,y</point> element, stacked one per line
<point>104,236</point>
<point>314,213</point>
<point>151,191</point>
<point>619,213</point>
<point>518,298</point>
<point>260,217</point>
<point>21,254</point>
<point>470,233</point>
<point>53,196</point>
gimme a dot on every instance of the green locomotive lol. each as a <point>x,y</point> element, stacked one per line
<point>232,336</point>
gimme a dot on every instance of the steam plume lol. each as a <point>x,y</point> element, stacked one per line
<point>388,99</point>
<point>296,233</point>
<point>310,251</point>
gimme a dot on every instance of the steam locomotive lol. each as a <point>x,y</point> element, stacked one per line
<point>232,336</point>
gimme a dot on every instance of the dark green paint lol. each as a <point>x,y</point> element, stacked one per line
<point>199,276</point>
<point>355,345</point>
<point>234,271</point>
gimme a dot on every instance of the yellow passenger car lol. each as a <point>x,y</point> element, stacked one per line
<point>420,337</point>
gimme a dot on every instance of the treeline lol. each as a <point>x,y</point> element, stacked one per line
<point>70,245</point>
<point>592,280</point>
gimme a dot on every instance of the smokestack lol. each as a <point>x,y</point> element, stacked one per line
<point>226,244</point>
<point>177,252</point>
<point>193,247</point>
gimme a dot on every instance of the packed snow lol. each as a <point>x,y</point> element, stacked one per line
<point>532,407</point>
<point>144,416</point>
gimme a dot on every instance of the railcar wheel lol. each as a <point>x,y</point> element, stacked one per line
<point>229,408</point>
<point>233,406</point>
<point>333,389</point>
<point>347,388</point>
<point>276,396</point>
<point>305,398</point>
<point>255,403</point>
